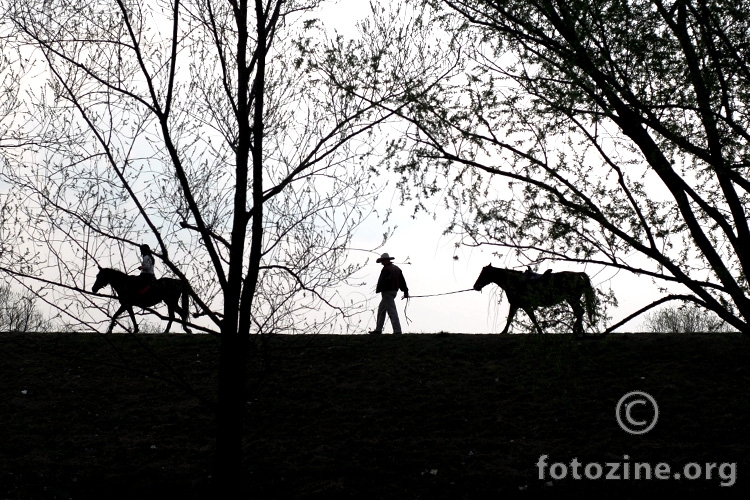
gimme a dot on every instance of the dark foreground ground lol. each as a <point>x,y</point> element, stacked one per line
<point>410,417</point>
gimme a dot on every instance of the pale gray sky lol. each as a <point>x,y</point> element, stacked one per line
<point>427,256</point>
<point>432,267</point>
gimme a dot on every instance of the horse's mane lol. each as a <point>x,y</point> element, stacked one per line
<point>508,271</point>
<point>109,270</point>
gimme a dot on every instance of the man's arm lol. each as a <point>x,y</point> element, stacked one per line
<point>402,285</point>
<point>379,286</point>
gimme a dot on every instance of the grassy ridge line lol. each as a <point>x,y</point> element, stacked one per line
<point>428,416</point>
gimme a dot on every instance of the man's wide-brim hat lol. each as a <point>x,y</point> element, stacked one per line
<point>384,257</point>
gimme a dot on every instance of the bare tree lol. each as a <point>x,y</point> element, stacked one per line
<point>206,129</point>
<point>610,133</point>
<point>688,318</point>
<point>19,312</point>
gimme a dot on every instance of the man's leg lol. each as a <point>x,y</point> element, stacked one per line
<point>389,298</point>
<point>380,321</point>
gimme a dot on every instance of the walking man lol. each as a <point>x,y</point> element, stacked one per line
<point>391,280</point>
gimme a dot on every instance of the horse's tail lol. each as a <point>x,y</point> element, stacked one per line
<point>589,295</point>
<point>185,301</point>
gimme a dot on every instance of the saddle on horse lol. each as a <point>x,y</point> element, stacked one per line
<point>142,284</point>
<point>532,276</point>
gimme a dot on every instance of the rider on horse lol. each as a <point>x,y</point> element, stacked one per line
<point>147,275</point>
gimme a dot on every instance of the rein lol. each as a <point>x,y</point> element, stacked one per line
<point>439,294</point>
<point>408,321</point>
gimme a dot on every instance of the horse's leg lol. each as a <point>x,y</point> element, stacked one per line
<point>114,317</point>
<point>170,310</point>
<point>511,313</point>
<point>173,304</point>
<point>578,313</point>
<point>530,313</point>
<point>132,318</point>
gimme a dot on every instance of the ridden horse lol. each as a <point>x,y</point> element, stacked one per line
<point>130,292</point>
<point>528,291</point>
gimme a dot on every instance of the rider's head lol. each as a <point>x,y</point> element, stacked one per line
<point>145,249</point>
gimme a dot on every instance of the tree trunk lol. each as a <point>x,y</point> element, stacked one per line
<point>230,412</point>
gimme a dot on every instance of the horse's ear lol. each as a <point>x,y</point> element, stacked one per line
<point>100,267</point>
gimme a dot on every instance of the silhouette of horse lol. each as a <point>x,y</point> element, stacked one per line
<point>528,291</point>
<point>130,292</point>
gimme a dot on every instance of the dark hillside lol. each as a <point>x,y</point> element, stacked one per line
<point>416,416</point>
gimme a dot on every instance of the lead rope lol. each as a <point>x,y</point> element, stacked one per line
<point>408,321</point>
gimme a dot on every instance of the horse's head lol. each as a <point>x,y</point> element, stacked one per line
<point>485,277</point>
<point>102,280</point>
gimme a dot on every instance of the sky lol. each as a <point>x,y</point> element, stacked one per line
<point>432,262</point>
<point>428,257</point>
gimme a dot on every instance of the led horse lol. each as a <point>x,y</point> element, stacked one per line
<point>528,291</point>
